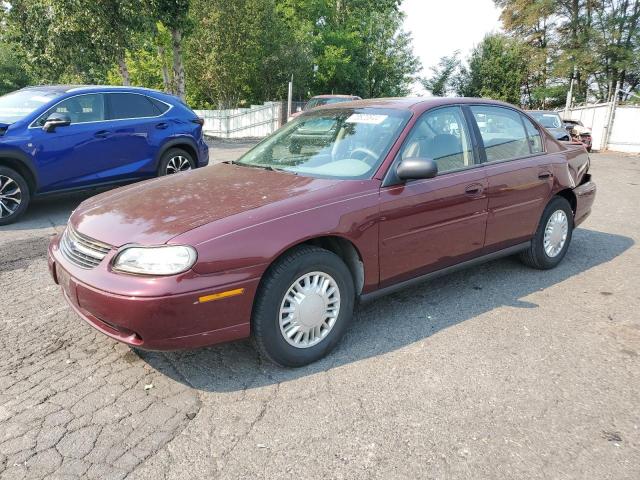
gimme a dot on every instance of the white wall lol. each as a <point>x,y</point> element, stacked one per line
<point>625,134</point>
<point>625,131</point>
<point>256,121</point>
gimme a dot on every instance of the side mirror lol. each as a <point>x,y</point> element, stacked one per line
<point>56,120</point>
<point>417,168</point>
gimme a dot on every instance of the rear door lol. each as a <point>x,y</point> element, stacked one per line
<point>134,127</point>
<point>518,171</point>
<point>430,224</point>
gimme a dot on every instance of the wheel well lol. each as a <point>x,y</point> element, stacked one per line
<point>22,169</point>
<point>187,148</point>
<point>571,198</point>
<point>345,250</point>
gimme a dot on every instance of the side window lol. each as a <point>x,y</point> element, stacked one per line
<point>130,105</point>
<point>535,140</point>
<point>80,109</point>
<point>441,135</point>
<point>502,133</point>
<point>161,106</point>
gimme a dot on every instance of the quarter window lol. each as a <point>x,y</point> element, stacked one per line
<point>128,105</point>
<point>535,140</point>
<point>502,132</point>
<point>441,135</point>
<point>80,109</point>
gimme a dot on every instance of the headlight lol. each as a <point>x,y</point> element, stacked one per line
<point>165,260</point>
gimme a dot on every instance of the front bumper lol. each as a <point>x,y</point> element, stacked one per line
<point>156,322</point>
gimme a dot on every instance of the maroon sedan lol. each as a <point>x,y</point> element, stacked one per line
<point>345,203</point>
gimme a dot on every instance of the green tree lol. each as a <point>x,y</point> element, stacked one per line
<point>441,83</point>
<point>174,15</point>
<point>497,69</point>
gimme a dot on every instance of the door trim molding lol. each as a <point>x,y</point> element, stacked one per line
<point>368,297</point>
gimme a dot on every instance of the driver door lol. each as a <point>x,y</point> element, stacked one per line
<point>431,224</point>
<point>68,156</point>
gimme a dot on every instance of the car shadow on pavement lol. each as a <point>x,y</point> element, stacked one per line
<point>396,321</point>
<point>51,211</point>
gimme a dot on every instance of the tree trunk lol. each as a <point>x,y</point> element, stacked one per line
<point>124,71</point>
<point>178,66</point>
<point>166,81</point>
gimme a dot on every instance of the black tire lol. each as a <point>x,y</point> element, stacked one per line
<point>265,322</point>
<point>536,256</point>
<point>174,153</point>
<point>8,178</point>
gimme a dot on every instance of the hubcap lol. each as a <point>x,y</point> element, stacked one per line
<point>309,309</point>
<point>10,196</point>
<point>178,164</point>
<point>555,233</point>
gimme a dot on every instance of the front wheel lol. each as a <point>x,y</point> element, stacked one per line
<point>175,160</point>
<point>303,307</point>
<point>551,241</point>
<point>14,195</point>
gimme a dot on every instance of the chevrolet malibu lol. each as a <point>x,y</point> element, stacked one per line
<point>344,204</point>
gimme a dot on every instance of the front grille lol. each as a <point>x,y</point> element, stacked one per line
<point>81,250</point>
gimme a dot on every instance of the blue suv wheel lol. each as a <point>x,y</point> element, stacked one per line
<point>64,138</point>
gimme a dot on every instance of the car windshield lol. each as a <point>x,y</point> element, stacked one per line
<point>318,102</point>
<point>547,119</point>
<point>336,143</point>
<point>17,105</point>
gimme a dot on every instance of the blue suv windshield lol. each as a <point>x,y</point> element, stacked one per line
<point>17,105</point>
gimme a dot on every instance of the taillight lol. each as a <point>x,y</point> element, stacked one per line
<point>198,120</point>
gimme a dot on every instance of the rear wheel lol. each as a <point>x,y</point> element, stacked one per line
<point>303,307</point>
<point>551,241</point>
<point>14,195</point>
<point>175,160</point>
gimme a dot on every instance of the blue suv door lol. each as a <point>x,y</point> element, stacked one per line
<point>137,130</point>
<point>72,156</point>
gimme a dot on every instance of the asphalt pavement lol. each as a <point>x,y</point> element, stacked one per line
<point>497,372</point>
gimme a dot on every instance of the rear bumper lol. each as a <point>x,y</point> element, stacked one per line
<point>585,196</point>
<point>168,322</point>
<point>203,153</point>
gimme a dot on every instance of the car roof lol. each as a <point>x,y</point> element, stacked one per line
<point>88,88</point>
<point>542,111</point>
<point>414,104</point>
<point>335,96</point>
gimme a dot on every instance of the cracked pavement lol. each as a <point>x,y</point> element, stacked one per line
<point>496,372</point>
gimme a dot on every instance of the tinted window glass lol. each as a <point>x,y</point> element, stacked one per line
<point>80,109</point>
<point>534,136</point>
<point>161,106</point>
<point>129,105</point>
<point>441,135</point>
<point>502,132</point>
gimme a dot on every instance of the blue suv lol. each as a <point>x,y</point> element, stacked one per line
<point>63,138</point>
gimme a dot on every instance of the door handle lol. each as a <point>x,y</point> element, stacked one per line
<point>162,125</point>
<point>474,190</point>
<point>544,175</point>
<point>102,134</point>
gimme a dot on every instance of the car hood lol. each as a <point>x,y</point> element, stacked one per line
<point>155,211</point>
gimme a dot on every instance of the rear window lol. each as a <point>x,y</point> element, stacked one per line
<point>131,105</point>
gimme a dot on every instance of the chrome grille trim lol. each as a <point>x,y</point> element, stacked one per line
<point>81,250</point>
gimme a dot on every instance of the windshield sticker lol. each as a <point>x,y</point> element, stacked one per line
<point>369,118</point>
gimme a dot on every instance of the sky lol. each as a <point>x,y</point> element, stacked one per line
<point>440,27</point>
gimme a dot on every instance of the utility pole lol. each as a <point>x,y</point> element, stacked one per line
<point>567,105</point>
<point>290,98</point>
